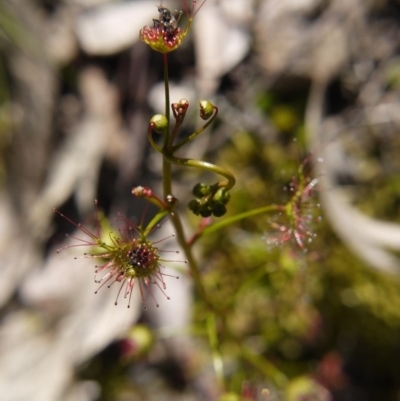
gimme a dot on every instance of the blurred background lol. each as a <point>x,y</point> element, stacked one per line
<point>77,90</point>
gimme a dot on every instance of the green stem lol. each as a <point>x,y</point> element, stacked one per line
<point>161,214</point>
<point>175,130</point>
<point>167,170</point>
<point>193,265</point>
<point>167,105</point>
<point>216,355</point>
<point>167,190</point>
<point>230,179</point>
<point>151,140</point>
<point>234,219</point>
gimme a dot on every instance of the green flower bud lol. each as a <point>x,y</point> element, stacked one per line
<point>222,196</point>
<point>205,211</point>
<point>195,206</point>
<point>159,123</point>
<point>201,189</point>
<point>206,109</point>
<point>218,209</point>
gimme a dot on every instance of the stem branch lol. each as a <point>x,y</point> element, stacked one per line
<point>234,219</point>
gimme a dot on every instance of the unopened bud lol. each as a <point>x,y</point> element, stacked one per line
<point>206,109</point>
<point>201,189</point>
<point>138,191</point>
<point>222,196</point>
<point>218,209</point>
<point>142,192</point>
<point>179,109</point>
<point>195,206</point>
<point>206,211</point>
<point>184,103</point>
<point>159,123</point>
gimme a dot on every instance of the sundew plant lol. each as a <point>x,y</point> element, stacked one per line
<point>130,259</point>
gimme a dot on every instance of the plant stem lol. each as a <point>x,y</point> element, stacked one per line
<point>216,355</point>
<point>167,190</point>
<point>160,215</point>
<point>194,267</point>
<point>169,159</point>
<point>230,179</point>
<point>167,101</point>
<point>234,219</point>
<point>167,184</point>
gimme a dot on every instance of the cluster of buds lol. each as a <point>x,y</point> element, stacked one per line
<point>210,200</point>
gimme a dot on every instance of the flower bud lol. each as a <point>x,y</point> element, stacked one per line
<point>218,209</point>
<point>159,123</point>
<point>206,211</point>
<point>179,109</point>
<point>206,109</point>
<point>141,192</point>
<point>195,206</point>
<point>201,189</point>
<point>138,191</point>
<point>222,196</point>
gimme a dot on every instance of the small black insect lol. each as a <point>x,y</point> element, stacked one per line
<point>167,22</point>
